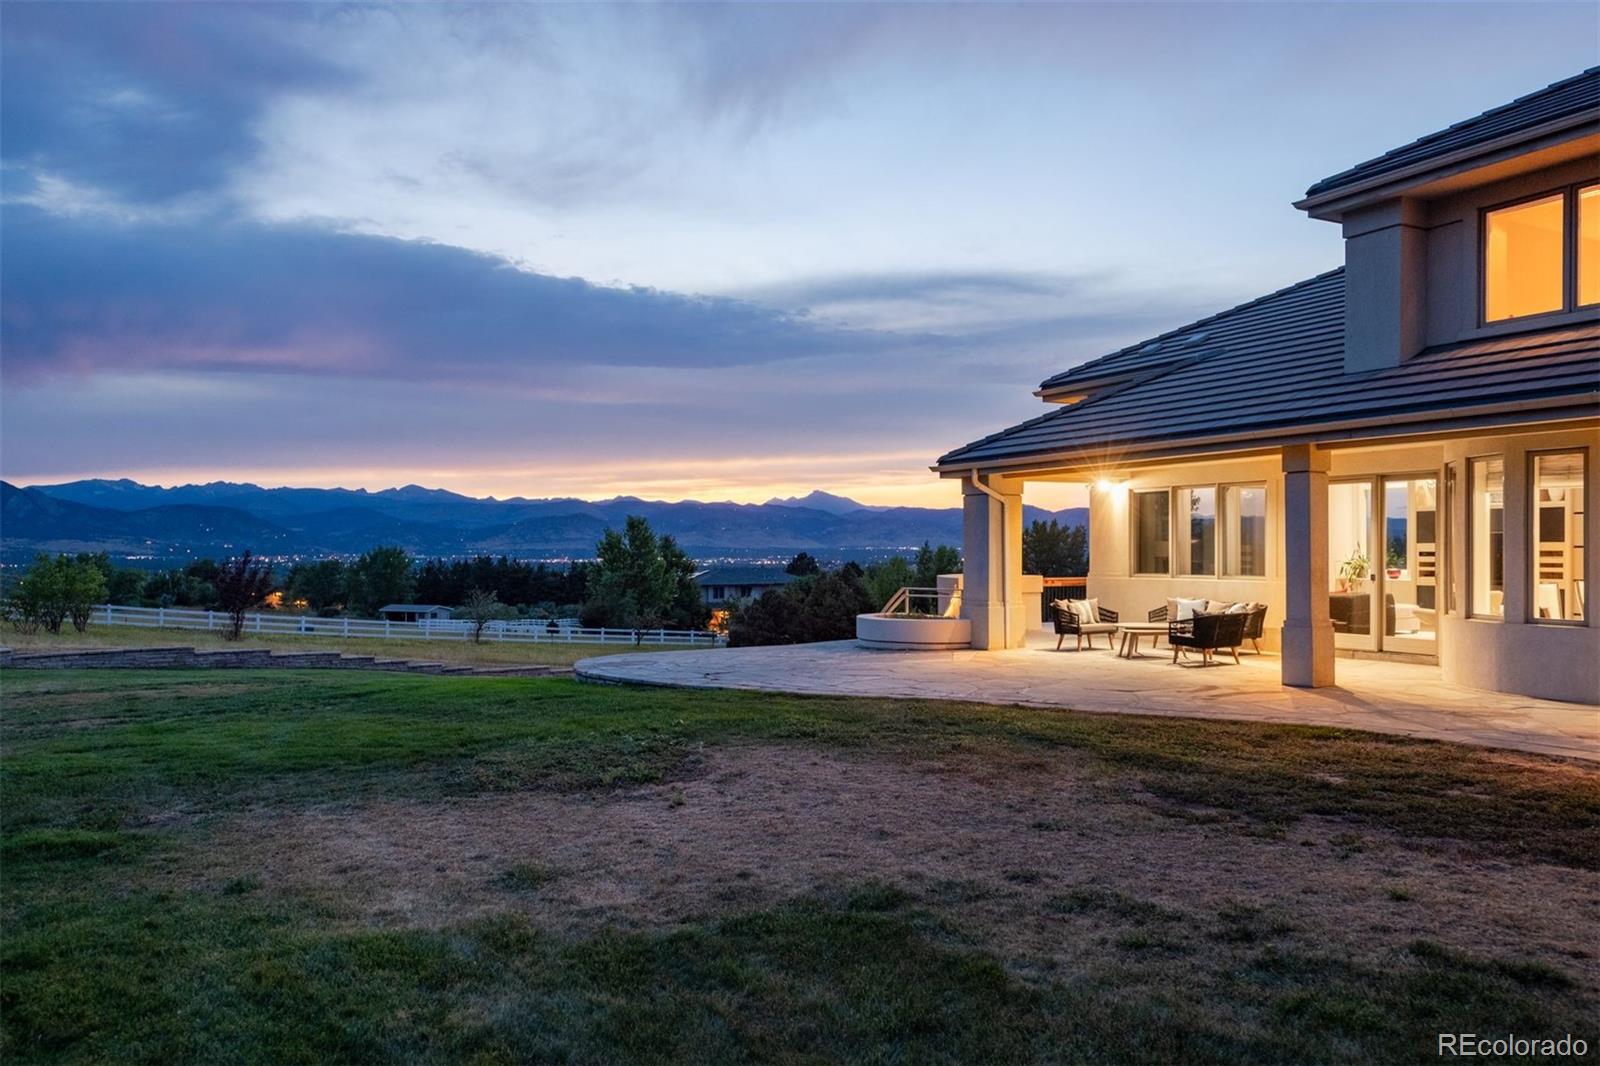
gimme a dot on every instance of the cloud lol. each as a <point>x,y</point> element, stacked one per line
<point>82,296</point>
<point>145,101</point>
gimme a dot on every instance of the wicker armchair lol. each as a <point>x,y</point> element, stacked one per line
<point>1207,633</point>
<point>1257,617</point>
<point>1067,625</point>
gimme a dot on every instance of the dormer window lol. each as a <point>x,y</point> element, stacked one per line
<point>1529,265</point>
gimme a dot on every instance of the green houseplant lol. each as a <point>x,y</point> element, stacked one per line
<point>1354,569</point>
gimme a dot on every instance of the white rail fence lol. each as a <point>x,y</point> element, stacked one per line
<point>520,631</point>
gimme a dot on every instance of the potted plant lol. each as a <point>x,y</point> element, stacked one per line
<point>1354,569</point>
<point>1395,563</point>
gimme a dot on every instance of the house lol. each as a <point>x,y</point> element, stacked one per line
<point>1397,456</point>
<point>414,612</point>
<point>726,584</point>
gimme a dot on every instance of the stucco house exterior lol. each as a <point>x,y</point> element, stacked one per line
<point>722,585</point>
<point>1396,456</point>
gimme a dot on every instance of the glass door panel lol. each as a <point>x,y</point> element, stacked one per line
<point>1409,569</point>
<point>1352,580</point>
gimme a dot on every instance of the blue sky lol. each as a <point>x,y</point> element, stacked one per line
<point>719,252</point>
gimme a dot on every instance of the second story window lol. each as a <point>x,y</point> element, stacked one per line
<point>1529,266</point>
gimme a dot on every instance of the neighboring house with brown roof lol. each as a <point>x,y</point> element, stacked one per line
<point>1396,456</point>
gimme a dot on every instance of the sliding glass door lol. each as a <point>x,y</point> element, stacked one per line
<point>1352,583</point>
<point>1408,579</point>
<point>1384,563</point>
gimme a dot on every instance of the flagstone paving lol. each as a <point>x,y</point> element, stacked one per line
<point>1385,697</point>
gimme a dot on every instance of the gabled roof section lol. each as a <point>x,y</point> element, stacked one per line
<point>743,575</point>
<point>1570,98</point>
<point>1273,369</point>
<point>1186,344</point>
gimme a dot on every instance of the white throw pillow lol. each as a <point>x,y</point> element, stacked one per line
<point>1093,607</point>
<point>1187,609</point>
<point>1238,608</point>
<point>1172,609</point>
<point>1083,611</point>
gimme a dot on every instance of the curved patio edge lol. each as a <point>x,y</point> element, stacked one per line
<point>891,632</point>
<point>1375,697</point>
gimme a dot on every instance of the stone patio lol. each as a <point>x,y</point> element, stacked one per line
<point>1384,697</point>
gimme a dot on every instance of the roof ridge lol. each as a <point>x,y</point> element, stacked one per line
<point>1160,337</point>
<point>1333,180</point>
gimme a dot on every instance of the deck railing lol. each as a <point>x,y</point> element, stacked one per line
<point>924,602</point>
<point>1061,588</point>
<point>518,631</point>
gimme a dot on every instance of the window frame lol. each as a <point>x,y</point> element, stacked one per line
<point>1569,194</point>
<point>1173,511</point>
<point>1134,527</point>
<point>1225,516</point>
<point>1531,531</point>
<point>1470,561</point>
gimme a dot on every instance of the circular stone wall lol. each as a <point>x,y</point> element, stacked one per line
<point>901,633</point>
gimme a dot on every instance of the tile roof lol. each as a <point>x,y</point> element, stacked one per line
<point>744,575</point>
<point>1277,364</point>
<point>1570,97</point>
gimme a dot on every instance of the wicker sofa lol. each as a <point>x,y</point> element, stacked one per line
<point>1209,633</point>
<point>1069,625</point>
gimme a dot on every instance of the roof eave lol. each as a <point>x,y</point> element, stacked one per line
<point>1566,407</point>
<point>1331,202</point>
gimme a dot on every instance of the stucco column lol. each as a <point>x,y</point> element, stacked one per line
<point>991,596</point>
<point>1307,631</point>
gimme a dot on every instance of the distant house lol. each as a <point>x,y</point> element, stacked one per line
<point>726,584</point>
<point>414,612</point>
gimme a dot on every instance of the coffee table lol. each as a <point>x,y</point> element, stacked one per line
<point>1132,631</point>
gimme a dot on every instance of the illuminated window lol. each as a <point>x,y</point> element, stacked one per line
<point>1244,532</point>
<point>1486,533</point>
<point>1557,542</point>
<point>1152,532</point>
<point>1523,256</point>
<point>1589,245</point>
<point>1197,531</point>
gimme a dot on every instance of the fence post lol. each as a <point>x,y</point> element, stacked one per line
<point>161,616</point>
<point>108,614</point>
<point>258,623</point>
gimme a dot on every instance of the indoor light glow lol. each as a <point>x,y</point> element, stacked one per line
<point>1522,259</point>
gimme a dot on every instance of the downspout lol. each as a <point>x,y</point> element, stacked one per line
<point>1005,600</point>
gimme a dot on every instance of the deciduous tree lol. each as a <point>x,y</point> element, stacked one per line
<point>242,584</point>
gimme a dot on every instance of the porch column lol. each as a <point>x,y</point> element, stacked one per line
<point>991,596</point>
<point>1307,630</point>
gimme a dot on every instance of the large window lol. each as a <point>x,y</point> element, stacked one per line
<point>1589,246</point>
<point>1244,530</point>
<point>1197,531</point>
<point>1557,541</point>
<point>1152,532</point>
<point>1486,531</point>
<point>1526,261</point>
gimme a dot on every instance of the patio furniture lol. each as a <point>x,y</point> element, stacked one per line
<point>1255,620</point>
<point>1133,631</point>
<point>1207,633</point>
<point>1351,612</point>
<point>1068,625</point>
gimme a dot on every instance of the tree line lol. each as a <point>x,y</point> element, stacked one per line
<point>638,580</point>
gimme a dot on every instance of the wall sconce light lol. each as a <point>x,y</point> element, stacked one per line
<point>1105,484</point>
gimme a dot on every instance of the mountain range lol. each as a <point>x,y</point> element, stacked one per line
<point>129,519</point>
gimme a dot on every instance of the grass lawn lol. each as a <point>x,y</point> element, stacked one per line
<point>445,650</point>
<point>320,866</point>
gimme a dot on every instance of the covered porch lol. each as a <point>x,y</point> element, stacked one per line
<point>1404,699</point>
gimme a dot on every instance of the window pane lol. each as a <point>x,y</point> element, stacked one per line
<point>1589,245</point>
<point>1244,551</point>
<point>1558,590</point>
<point>1154,539</point>
<point>1197,531</point>
<point>1522,259</point>
<point>1487,530</point>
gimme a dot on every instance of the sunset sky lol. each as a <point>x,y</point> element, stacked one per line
<point>720,253</point>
